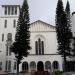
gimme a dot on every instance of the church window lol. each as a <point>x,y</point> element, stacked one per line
<point>40,66</point>
<point>48,65</point>
<point>5,10</point>
<point>32,66</point>
<point>42,47</point>
<point>6,50</point>
<point>2,37</point>
<point>9,40</point>
<point>39,47</point>
<point>55,65</point>
<point>12,10</point>
<point>0,65</point>
<point>15,65</point>
<point>8,65</point>
<point>14,23</point>
<point>9,37</point>
<point>5,24</point>
<point>36,47</point>
<point>9,51</point>
<point>8,10</point>
<point>25,66</point>
<point>15,10</point>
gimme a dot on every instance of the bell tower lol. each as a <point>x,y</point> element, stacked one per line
<point>11,10</point>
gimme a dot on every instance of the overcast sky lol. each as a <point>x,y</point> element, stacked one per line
<point>41,9</point>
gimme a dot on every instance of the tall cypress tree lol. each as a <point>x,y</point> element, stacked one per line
<point>62,30</point>
<point>73,45</point>
<point>22,38</point>
<point>67,10</point>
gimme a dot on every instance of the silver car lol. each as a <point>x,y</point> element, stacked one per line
<point>69,73</point>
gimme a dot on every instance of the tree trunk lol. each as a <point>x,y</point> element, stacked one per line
<point>17,67</point>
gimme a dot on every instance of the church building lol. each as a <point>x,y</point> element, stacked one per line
<point>43,42</point>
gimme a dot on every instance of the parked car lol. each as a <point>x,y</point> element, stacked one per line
<point>69,73</point>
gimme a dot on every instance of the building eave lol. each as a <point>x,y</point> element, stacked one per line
<point>10,5</point>
<point>43,22</point>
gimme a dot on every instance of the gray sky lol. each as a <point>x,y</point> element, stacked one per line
<point>41,9</point>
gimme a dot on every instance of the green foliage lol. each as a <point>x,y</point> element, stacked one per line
<point>22,37</point>
<point>58,72</point>
<point>67,8</point>
<point>73,50</point>
<point>69,25</point>
<point>63,30</point>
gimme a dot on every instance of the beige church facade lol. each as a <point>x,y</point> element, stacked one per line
<point>43,42</point>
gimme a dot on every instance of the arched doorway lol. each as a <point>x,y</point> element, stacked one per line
<point>48,66</point>
<point>55,65</point>
<point>32,66</point>
<point>25,66</point>
<point>40,66</point>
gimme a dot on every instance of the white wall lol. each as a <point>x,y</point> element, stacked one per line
<point>43,58</point>
<point>37,29</point>
<point>73,24</point>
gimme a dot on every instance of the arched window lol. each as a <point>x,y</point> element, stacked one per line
<point>39,47</point>
<point>5,25</point>
<point>0,65</point>
<point>40,66</point>
<point>8,65</point>
<point>55,65</point>
<point>7,50</point>
<point>25,66</point>
<point>9,37</point>
<point>9,40</point>
<point>15,65</point>
<point>48,65</point>
<point>2,37</point>
<point>14,23</point>
<point>32,66</point>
